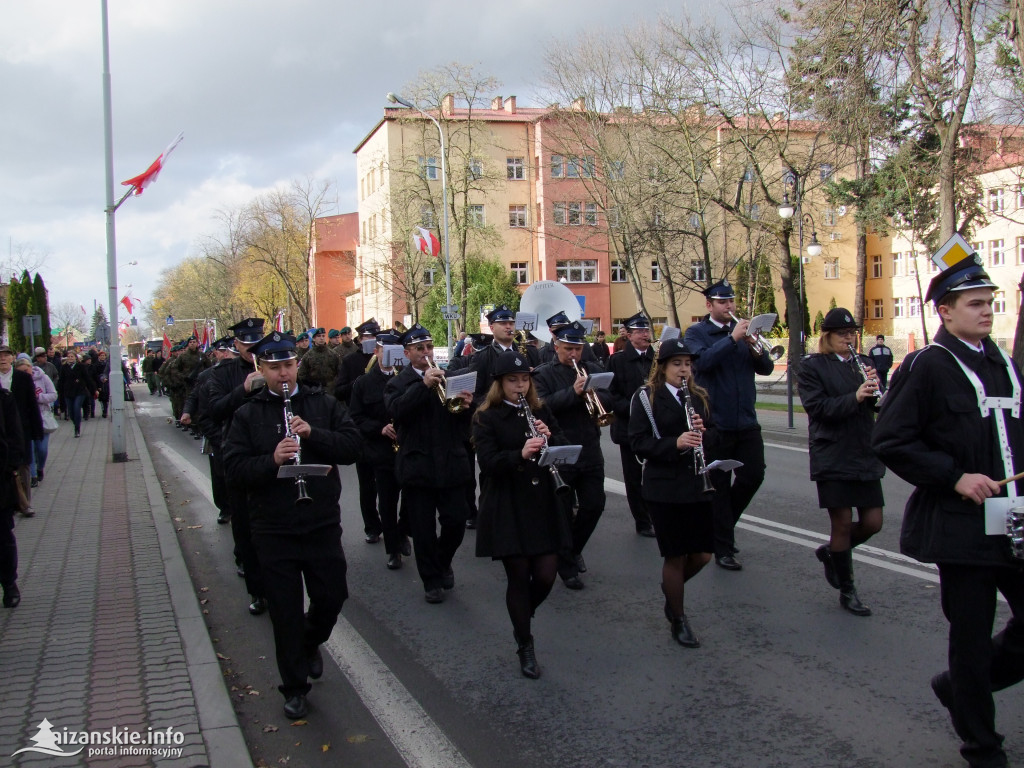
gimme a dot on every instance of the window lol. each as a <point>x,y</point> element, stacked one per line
<point>748,173</point>
<point>557,167</point>
<point>475,216</point>
<point>999,303</point>
<point>877,309</point>
<point>914,306</point>
<point>517,216</point>
<point>932,268</point>
<point>428,168</point>
<point>590,214</point>
<point>577,270</point>
<point>912,263</point>
<point>1020,197</point>
<point>695,222</point>
<point>659,218</point>
<point>618,272</point>
<point>520,273</point>
<point>754,211</point>
<point>476,168</point>
<point>876,266</point>
<point>697,272</point>
<point>363,238</point>
<point>427,216</point>
<point>616,170</point>
<point>655,271</point>
<point>515,169</point>
<point>831,264</point>
<point>1020,250</point>
<point>897,307</point>
<point>897,264</point>
<point>572,170</point>
<point>995,200</point>
<point>980,248</point>
<point>996,257</point>
<point>580,167</point>
<point>575,219</point>
<point>615,219</point>
<point>828,218</point>
<point>428,276</point>
<point>826,171</point>
<point>558,211</point>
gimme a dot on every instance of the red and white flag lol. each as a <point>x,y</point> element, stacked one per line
<point>167,345</point>
<point>149,175</point>
<point>426,241</point>
<point>279,322</point>
<point>127,303</point>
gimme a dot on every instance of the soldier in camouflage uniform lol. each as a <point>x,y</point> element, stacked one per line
<point>333,340</point>
<point>319,365</point>
<point>301,345</point>
<point>185,368</point>
<point>346,346</point>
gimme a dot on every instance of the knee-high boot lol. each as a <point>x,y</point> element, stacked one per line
<point>843,563</point>
<point>825,557</point>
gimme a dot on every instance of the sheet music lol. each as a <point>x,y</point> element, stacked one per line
<point>368,345</point>
<point>668,333</point>
<point>465,382</point>
<point>560,455</point>
<point>726,465</point>
<point>526,321</point>
<point>600,380</point>
<point>394,356</point>
<point>762,324</point>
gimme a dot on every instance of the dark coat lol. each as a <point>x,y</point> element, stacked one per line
<point>631,370</point>
<point>547,354</point>
<point>881,358</point>
<point>669,475</point>
<point>24,391</point>
<point>554,383</point>
<point>601,353</point>
<point>838,427</point>
<point>226,391</point>
<point>726,368</point>
<point>483,363</point>
<point>432,441</point>
<point>930,432</point>
<point>12,450</point>
<point>519,512</point>
<point>367,409</point>
<point>76,379</point>
<point>199,403</point>
<point>349,368</point>
<point>256,429</point>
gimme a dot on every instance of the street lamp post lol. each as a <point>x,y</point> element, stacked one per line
<point>786,211</point>
<point>396,99</point>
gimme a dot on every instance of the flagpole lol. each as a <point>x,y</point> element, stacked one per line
<point>118,442</point>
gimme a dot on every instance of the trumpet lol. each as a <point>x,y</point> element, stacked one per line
<point>765,346</point>
<point>300,479</point>
<point>594,408</point>
<point>453,404</point>
<point>561,487</point>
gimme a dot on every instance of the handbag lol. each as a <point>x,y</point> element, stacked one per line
<point>22,503</point>
<point>50,424</point>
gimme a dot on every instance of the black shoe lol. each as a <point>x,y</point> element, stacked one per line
<point>448,580</point>
<point>28,512</point>
<point>295,707</point>
<point>683,634</point>
<point>825,557</point>
<point>581,564</point>
<point>223,518</point>
<point>12,596</point>
<point>240,570</point>
<point>471,524</point>
<point>434,596</point>
<point>316,664</point>
<point>729,562</point>
<point>527,657</point>
<point>39,475</point>
<point>943,689</point>
<point>258,606</point>
<point>77,433</point>
<point>849,600</point>
<point>406,546</point>
<point>646,530</point>
<point>34,483</point>
<point>573,582</point>
<point>394,562</point>
<point>372,538</point>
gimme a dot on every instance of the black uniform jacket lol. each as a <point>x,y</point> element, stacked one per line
<point>930,432</point>
<point>432,450</point>
<point>366,407</point>
<point>669,475</point>
<point>256,429</point>
<point>631,370</point>
<point>839,428</point>
<point>226,391</point>
<point>199,401</point>
<point>76,379</point>
<point>483,363</point>
<point>350,368</point>
<point>24,391</point>
<point>554,386</point>
<point>11,450</point>
<point>547,354</point>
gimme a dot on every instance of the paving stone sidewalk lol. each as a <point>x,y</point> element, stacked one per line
<point>109,633</point>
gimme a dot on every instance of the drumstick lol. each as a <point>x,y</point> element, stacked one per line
<point>1018,476</point>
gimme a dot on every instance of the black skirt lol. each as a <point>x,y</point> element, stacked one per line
<point>683,529</point>
<point>833,494</point>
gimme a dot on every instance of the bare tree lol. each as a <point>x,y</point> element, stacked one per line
<point>66,315</point>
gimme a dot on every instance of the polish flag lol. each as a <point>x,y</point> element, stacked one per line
<point>149,175</point>
<point>195,330</point>
<point>426,241</point>
<point>127,303</point>
<point>167,345</point>
<point>204,342</point>
<point>279,322</point>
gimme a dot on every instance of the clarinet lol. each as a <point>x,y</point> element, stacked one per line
<point>300,480</point>
<point>700,466</point>
<point>863,370</point>
<point>560,485</point>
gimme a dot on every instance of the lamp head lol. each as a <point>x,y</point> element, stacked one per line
<point>392,98</point>
<point>814,247</point>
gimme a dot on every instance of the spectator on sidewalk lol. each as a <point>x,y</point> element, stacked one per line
<point>46,394</point>
<point>10,458</point>
<point>77,385</point>
<point>21,386</point>
<point>39,359</point>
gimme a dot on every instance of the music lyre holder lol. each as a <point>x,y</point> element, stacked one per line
<point>306,470</point>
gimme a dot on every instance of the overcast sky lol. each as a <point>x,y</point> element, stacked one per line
<point>264,92</point>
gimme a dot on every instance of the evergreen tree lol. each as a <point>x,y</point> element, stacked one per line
<point>490,282</point>
<point>19,306</point>
<point>98,318</point>
<point>41,307</point>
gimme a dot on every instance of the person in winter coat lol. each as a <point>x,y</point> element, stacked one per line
<point>840,404</point>
<point>46,394</point>
<point>77,384</point>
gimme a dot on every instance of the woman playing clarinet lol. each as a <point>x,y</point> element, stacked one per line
<point>521,521</point>
<point>839,391</point>
<point>668,423</point>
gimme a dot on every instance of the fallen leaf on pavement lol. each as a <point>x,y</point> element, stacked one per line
<point>299,722</point>
<point>270,729</point>
<point>325,747</point>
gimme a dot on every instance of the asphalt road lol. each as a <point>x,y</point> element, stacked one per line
<point>784,677</point>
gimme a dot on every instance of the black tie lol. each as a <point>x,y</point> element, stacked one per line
<point>682,398</point>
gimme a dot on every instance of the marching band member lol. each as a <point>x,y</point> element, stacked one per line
<point>840,405</point>
<point>661,433</point>
<point>521,521</point>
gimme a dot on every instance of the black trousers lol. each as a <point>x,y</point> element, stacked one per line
<point>733,494</point>
<point>218,482</point>
<point>387,500</point>
<point>632,476</point>
<point>426,507</point>
<point>368,497</point>
<point>978,662</point>
<point>245,552</point>
<point>318,559</point>
<point>8,548</point>
<point>588,485</point>
<point>471,485</point>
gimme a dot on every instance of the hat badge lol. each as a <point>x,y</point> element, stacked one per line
<point>518,361</point>
<point>847,318</point>
<point>725,284</point>
<point>277,337</point>
<point>250,323</point>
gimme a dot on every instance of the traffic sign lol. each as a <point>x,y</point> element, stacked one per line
<point>451,315</point>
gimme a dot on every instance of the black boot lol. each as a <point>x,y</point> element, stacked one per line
<point>683,634</point>
<point>843,563</point>
<point>823,554</point>
<point>527,657</point>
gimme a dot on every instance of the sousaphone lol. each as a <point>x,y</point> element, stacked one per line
<point>546,298</point>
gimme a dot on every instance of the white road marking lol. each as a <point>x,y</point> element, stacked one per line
<point>415,736</point>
